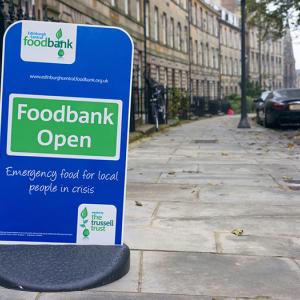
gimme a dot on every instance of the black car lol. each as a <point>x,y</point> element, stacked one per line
<point>278,107</point>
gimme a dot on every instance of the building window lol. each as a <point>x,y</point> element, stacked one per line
<point>113,2</point>
<point>138,10</point>
<point>207,54</point>
<point>185,39</point>
<point>172,33</point>
<point>126,7</point>
<point>180,79</point>
<point>165,77</point>
<point>196,14</point>
<point>201,18</point>
<point>139,69</point>
<point>147,20</point>
<point>196,53</point>
<point>157,73</point>
<point>201,54</point>
<point>179,39</point>
<point>221,64</point>
<point>156,24</point>
<point>164,28</point>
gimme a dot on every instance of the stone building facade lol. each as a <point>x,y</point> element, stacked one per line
<point>204,49</point>
<point>190,44</point>
<point>230,46</point>
<point>182,37</point>
<point>290,75</point>
<point>298,79</point>
<point>266,58</point>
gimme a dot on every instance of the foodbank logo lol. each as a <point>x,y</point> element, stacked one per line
<point>36,40</point>
<point>84,221</point>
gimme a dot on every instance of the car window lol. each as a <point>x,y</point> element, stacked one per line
<point>270,96</point>
<point>288,93</point>
<point>264,95</point>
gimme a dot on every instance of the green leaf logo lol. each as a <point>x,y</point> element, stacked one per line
<point>84,213</point>
<point>61,52</point>
<point>59,34</point>
<point>86,232</point>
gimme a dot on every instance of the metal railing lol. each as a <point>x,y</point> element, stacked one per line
<point>11,12</point>
<point>208,105</point>
<point>178,105</point>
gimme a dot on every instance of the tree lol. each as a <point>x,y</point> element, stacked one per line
<point>275,16</point>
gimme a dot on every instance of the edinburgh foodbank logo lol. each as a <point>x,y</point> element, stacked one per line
<point>37,39</point>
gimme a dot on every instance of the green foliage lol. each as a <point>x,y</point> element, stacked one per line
<point>253,89</point>
<point>235,102</point>
<point>178,103</point>
<point>272,17</point>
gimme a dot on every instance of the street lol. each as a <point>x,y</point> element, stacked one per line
<point>188,189</point>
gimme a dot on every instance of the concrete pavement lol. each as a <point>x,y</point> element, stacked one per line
<point>196,183</point>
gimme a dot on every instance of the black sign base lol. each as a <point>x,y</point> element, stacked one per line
<point>53,268</point>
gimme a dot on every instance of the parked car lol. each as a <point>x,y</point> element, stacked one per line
<point>278,107</point>
<point>258,105</point>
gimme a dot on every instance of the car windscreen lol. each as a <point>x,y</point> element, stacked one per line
<point>264,95</point>
<point>288,93</point>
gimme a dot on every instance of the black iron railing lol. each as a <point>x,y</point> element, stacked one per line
<point>12,11</point>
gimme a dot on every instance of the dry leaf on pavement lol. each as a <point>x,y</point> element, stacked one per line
<point>237,231</point>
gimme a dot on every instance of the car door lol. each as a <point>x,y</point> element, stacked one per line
<point>266,99</point>
<point>261,105</point>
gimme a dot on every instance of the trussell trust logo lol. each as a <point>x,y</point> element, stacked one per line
<point>48,42</point>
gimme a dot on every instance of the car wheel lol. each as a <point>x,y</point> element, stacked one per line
<point>267,123</point>
<point>258,121</point>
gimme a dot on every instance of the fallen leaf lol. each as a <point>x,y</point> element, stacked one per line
<point>237,231</point>
<point>291,146</point>
<point>224,154</point>
<point>138,203</point>
<point>171,173</point>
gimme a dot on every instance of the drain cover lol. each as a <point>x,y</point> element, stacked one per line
<point>293,181</point>
<point>204,141</point>
<point>294,187</point>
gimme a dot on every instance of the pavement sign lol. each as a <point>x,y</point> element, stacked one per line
<point>64,133</point>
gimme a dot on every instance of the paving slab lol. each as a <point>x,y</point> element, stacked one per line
<point>139,212</point>
<point>273,226</point>
<point>229,180</point>
<point>162,192</point>
<point>170,238</point>
<point>7,294</point>
<point>145,175</point>
<point>182,210</point>
<point>220,275</point>
<point>259,245</point>
<point>248,194</point>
